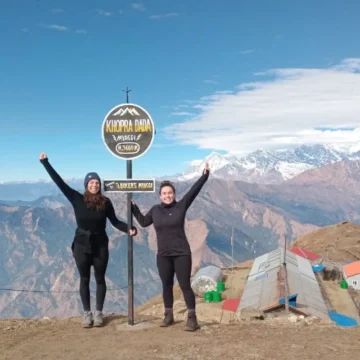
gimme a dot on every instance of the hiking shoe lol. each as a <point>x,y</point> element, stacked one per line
<point>88,319</point>
<point>192,324</point>
<point>99,319</point>
<point>168,319</point>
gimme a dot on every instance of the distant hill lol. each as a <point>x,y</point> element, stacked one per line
<point>340,242</point>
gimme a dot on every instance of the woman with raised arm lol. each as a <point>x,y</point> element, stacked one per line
<point>90,245</point>
<point>174,254</point>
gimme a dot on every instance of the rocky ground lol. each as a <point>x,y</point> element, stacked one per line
<point>222,334</point>
<point>275,338</point>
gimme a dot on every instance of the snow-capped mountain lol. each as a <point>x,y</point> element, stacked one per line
<point>271,167</point>
<point>263,167</point>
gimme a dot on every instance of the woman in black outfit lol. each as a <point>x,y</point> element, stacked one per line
<point>174,254</point>
<point>90,245</point>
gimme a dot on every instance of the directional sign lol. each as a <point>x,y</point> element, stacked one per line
<point>128,131</point>
<point>129,185</point>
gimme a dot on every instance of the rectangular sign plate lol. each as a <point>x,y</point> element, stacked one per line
<point>129,185</point>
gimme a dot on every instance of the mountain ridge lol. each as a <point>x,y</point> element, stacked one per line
<point>260,167</point>
<point>270,166</point>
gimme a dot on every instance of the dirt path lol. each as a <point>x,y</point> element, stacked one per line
<point>340,299</point>
<point>34,340</point>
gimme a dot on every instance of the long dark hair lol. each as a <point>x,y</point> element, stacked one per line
<point>167,183</point>
<point>94,201</point>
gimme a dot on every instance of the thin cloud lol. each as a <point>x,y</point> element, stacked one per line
<point>190,101</point>
<point>57,11</point>
<point>247,52</point>
<point>279,36</point>
<point>224,92</point>
<point>138,6</point>
<point>164,16</point>
<point>56,27</point>
<point>178,107</point>
<point>81,32</point>
<point>282,108</point>
<point>181,113</point>
<point>350,64</point>
<point>25,30</point>
<point>210,82</point>
<point>104,12</point>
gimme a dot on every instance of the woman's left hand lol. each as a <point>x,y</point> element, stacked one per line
<point>206,167</point>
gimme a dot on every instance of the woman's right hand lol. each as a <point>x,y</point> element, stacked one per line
<point>43,156</point>
<point>133,202</point>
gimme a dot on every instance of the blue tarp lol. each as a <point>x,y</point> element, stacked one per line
<point>291,298</point>
<point>318,268</point>
<point>342,320</point>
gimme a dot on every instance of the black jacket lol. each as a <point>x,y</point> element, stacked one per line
<point>169,221</point>
<point>91,223</point>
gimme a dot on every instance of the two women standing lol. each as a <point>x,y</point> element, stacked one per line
<point>90,245</point>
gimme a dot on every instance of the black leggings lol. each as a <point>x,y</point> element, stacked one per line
<point>99,259</point>
<point>181,266</point>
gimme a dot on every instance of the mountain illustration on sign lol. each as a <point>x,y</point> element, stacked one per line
<point>122,112</point>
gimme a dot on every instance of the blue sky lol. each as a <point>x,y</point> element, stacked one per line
<point>229,76</point>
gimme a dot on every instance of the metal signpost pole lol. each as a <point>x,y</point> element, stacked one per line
<point>286,290</point>
<point>128,133</point>
<point>130,240</point>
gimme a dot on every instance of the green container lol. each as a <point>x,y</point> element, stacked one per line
<point>220,286</point>
<point>344,284</point>
<point>216,296</point>
<point>208,296</point>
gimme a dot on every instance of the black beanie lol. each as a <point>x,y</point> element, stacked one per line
<point>91,176</point>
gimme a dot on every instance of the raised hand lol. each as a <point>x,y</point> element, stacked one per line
<point>206,167</point>
<point>43,156</point>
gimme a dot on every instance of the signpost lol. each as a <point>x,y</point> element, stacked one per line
<point>128,133</point>
<point>131,185</point>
